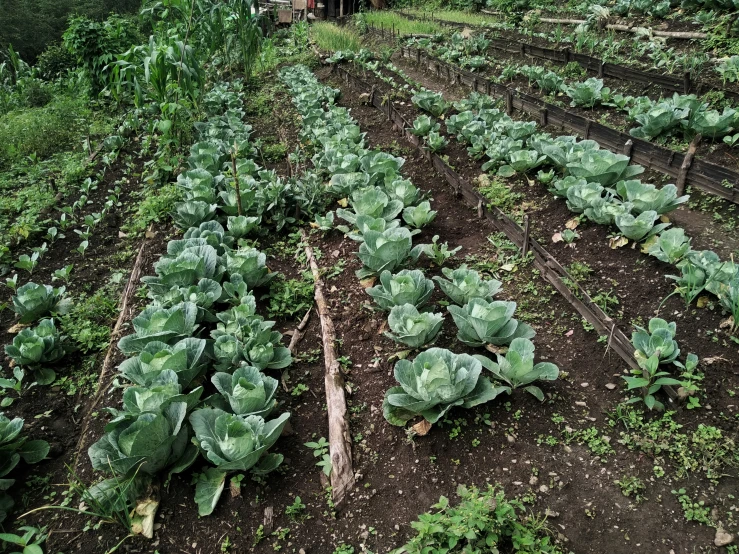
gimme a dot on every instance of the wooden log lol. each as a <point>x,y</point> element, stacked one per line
<point>682,177</point>
<point>339,438</point>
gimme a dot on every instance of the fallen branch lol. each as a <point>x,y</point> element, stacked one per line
<point>629,29</point>
<point>124,315</point>
<point>298,334</point>
<point>339,438</point>
<point>687,162</point>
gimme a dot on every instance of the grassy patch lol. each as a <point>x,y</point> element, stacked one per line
<point>330,37</point>
<point>391,20</point>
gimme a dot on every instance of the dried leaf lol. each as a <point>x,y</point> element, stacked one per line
<point>557,237</point>
<point>508,267</point>
<point>368,283</point>
<point>702,302</point>
<point>421,428</point>
<point>344,202</point>
<point>496,349</point>
<point>664,219</point>
<point>572,223</point>
<point>617,242</point>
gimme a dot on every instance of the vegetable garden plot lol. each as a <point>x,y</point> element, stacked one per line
<point>548,231</point>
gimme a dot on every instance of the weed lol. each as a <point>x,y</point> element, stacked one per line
<point>694,511</point>
<point>632,486</point>
<point>288,298</point>
<point>296,510</point>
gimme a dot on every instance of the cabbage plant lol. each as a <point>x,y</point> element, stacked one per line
<point>387,250</point>
<point>431,102</point>
<point>38,345</point>
<point>366,223</point>
<point>13,448</point>
<point>436,142</point>
<point>242,336</point>
<point>481,322</point>
<point>242,226</point>
<point>521,161</point>
<point>604,210</point>
<point>640,227</point>
<point>232,443</point>
<point>372,202</point>
<point>405,287</point>
<point>516,368</point>
<point>581,197</point>
<point>603,167</point>
<point>148,443</point>
<point>247,391</point>
<point>670,246</point>
<point>411,327</point>
<point>645,197</point>
<point>462,285</point>
<point>712,124</point>
<point>433,383</point>
<point>403,190</point>
<point>659,118</point>
<point>588,93</point>
<point>192,213</point>
<point>32,302</point>
<point>250,264</point>
<point>204,294</point>
<point>657,340</point>
<point>160,324</point>
<point>187,358</point>
<point>423,125</point>
<point>419,216</point>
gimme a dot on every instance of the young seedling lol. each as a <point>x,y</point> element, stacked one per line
<point>63,274</point>
<point>320,450</point>
<point>648,380</point>
<point>439,253</point>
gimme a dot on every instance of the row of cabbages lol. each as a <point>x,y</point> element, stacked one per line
<point>437,379</point>
<point>203,287</point>
<point>684,113</point>
<point>596,183</point>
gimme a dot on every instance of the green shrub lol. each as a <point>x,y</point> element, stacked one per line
<point>54,62</point>
<point>44,131</point>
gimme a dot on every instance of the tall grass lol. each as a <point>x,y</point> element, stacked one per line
<point>330,37</point>
<point>403,26</point>
<point>455,16</point>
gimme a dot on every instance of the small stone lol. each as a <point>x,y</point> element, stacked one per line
<point>581,404</point>
<point>722,538</point>
<point>301,551</point>
<point>510,438</point>
<point>544,489</point>
<point>518,483</point>
<point>584,385</point>
<point>534,480</point>
<point>551,513</point>
<point>610,386</point>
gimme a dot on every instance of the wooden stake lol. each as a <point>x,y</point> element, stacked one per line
<point>682,177</point>
<point>525,249</point>
<point>236,179</point>
<point>339,438</point>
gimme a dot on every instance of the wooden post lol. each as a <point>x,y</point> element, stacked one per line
<point>628,148</point>
<point>686,82</point>
<point>566,52</point>
<point>525,249</point>
<point>339,438</point>
<point>480,211</point>
<point>600,69</point>
<point>587,129</point>
<point>682,177</point>
<point>508,101</point>
<point>543,117</point>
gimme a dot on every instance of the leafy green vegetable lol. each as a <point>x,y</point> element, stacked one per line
<point>435,382</point>
<point>405,287</point>
<point>192,213</point>
<point>649,379</point>
<point>670,246</point>
<point>160,324</point>
<point>248,391</point>
<point>419,216</point>
<point>423,125</point>
<point>187,358</point>
<point>387,250</point>
<point>38,345</point>
<point>603,167</point>
<point>242,336</point>
<point>517,368</point>
<point>465,284</point>
<point>657,341</point>
<point>32,301</point>
<point>645,197</point>
<point>481,322</point>
<point>640,227</point>
<point>431,102</point>
<point>588,93</point>
<point>372,202</point>
<point>435,142</point>
<point>412,328</point>
<point>250,264</point>
<point>232,443</point>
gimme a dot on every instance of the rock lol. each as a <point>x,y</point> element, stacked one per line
<point>722,538</point>
<point>534,480</point>
<point>511,438</point>
<point>544,489</point>
<point>584,385</point>
<point>610,386</point>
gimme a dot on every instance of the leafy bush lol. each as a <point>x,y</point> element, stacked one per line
<point>517,368</point>
<point>405,287</point>
<point>481,322</point>
<point>465,284</point>
<point>38,345</point>
<point>433,383</point>
<point>412,328</point>
<point>247,391</point>
<point>187,358</point>
<point>431,102</point>
<point>32,302</point>
<point>232,443</point>
<point>13,448</point>
<point>162,325</point>
<point>386,251</point>
<point>656,341</point>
